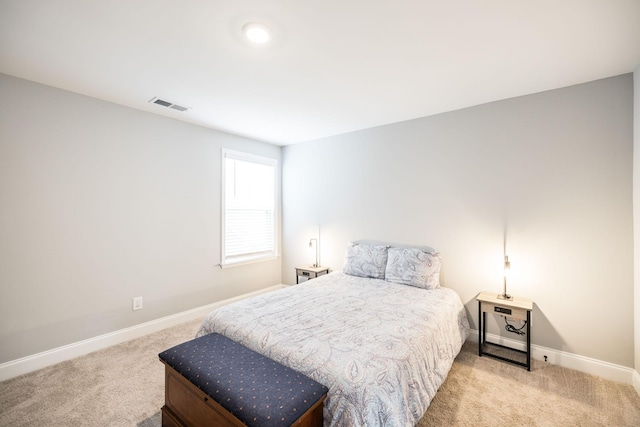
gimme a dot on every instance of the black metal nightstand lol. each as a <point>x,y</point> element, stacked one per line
<point>310,272</point>
<point>518,308</point>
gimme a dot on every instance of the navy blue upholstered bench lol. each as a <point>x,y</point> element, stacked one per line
<point>215,381</point>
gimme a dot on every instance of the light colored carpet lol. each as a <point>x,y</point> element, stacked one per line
<point>487,392</point>
<point>124,386</point>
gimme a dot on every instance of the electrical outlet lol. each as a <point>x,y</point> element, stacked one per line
<point>137,303</point>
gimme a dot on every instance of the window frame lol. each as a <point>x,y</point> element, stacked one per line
<point>238,260</point>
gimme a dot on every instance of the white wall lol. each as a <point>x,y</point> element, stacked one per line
<point>551,173</point>
<point>99,204</point>
<point>636,217</point>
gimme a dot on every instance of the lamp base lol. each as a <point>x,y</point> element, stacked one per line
<point>505,297</point>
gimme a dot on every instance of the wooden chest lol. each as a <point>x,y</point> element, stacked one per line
<point>214,381</point>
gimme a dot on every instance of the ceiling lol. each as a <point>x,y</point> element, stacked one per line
<point>332,66</point>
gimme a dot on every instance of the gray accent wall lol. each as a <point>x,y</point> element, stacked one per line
<point>547,176</point>
<point>99,204</point>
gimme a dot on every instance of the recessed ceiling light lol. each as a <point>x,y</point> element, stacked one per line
<point>256,32</point>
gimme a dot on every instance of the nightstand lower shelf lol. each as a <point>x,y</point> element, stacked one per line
<point>527,353</point>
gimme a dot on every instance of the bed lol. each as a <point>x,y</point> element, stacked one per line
<point>382,348</point>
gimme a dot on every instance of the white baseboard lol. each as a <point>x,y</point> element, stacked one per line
<point>37,361</point>
<point>610,371</point>
<point>636,381</point>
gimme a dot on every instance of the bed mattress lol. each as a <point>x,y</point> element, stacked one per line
<point>382,349</point>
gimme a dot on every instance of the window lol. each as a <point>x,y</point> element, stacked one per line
<point>248,207</point>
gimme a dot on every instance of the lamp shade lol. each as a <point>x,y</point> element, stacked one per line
<point>506,270</point>
<point>311,244</point>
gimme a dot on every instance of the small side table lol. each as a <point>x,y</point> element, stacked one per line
<point>518,308</point>
<point>310,272</point>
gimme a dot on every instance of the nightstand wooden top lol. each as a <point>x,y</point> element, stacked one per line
<point>319,269</point>
<point>516,302</point>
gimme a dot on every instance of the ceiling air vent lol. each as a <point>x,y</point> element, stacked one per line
<point>169,104</point>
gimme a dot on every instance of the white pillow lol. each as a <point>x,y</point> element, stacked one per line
<point>366,260</point>
<point>414,267</point>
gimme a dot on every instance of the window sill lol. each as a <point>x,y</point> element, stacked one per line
<point>247,261</point>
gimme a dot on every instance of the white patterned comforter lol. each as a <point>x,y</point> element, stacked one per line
<point>382,349</point>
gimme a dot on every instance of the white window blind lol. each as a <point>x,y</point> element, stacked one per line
<point>248,207</point>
